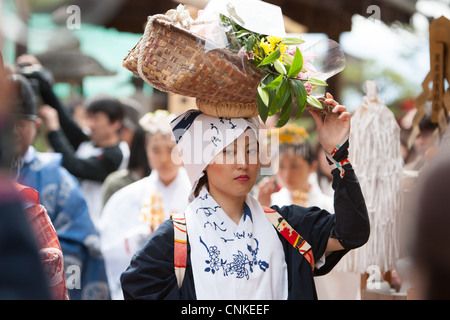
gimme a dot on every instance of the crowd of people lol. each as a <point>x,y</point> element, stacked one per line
<point>109,181</point>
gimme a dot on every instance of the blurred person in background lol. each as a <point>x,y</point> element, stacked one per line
<point>134,212</point>
<point>22,275</point>
<point>430,236</point>
<point>137,163</point>
<point>426,139</point>
<point>90,158</point>
<point>59,193</point>
<point>296,165</point>
<point>78,112</point>
<point>133,111</point>
<point>137,168</point>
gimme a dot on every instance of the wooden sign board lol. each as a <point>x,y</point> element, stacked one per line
<point>439,33</point>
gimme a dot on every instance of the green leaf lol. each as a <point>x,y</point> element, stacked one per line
<point>291,41</point>
<point>297,64</point>
<point>286,111</point>
<point>275,83</point>
<point>249,44</point>
<point>279,67</point>
<point>270,58</point>
<point>314,102</point>
<point>317,82</point>
<point>300,95</point>
<point>268,78</point>
<point>242,33</point>
<point>282,94</point>
<point>287,59</point>
<point>262,108</point>
<point>263,94</point>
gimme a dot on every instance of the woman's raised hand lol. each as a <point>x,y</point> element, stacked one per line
<point>335,127</point>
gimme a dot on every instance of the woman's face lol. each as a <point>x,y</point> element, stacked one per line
<point>234,171</point>
<point>159,153</point>
<point>293,171</point>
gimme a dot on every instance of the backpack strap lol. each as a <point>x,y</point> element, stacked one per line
<point>280,224</point>
<point>290,235</point>
<point>180,246</point>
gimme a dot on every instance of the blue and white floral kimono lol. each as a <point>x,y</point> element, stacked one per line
<point>62,197</point>
<point>248,260</point>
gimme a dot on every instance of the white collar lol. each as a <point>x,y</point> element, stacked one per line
<point>29,155</point>
<point>234,261</point>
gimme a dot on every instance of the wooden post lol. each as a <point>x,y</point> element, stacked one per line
<point>439,71</point>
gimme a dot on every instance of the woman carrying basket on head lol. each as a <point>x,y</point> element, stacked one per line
<point>226,245</point>
<point>232,250</point>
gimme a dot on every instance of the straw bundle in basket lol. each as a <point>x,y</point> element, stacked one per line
<point>172,59</point>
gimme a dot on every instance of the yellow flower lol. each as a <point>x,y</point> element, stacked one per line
<point>273,41</point>
<point>270,44</point>
<point>282,48</point>
<point>265,46</point>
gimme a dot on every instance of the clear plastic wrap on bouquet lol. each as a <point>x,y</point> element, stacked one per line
<point>253,15</point>
<point>322,60</point>
<point>326,59</point>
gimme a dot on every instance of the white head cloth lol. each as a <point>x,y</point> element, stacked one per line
<point>201,137</point>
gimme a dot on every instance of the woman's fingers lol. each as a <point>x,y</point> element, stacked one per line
<point>344,116</point>
<point>330,100</point>
<point>342,113</point>
<point>339,109</point>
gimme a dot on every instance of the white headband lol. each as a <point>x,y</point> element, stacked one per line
<point>201,137</point>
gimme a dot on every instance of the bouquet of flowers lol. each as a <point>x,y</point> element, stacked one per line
<point>235,59</point>
<point>287,84</point>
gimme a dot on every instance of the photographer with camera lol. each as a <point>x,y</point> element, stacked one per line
<point>60,194</point>
<point>89,158</point>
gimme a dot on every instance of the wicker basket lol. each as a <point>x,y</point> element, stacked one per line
<point>175,61</point>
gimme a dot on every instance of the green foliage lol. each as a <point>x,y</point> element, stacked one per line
<point>282,89</point>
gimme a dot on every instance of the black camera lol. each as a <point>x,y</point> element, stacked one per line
<point>36,74</point>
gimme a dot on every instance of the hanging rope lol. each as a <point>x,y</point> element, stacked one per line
<point>375,154</point>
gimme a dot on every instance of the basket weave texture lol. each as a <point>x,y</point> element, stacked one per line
<point>175,61</point>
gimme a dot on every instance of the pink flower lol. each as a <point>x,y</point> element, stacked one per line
<point>249,55</point>
<point>308,88</point>
<point>302,75</point>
